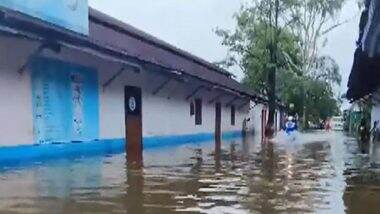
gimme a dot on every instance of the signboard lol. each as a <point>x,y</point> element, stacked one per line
<point>69,14</point>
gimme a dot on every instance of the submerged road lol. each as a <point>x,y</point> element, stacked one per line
<point>318,173</point>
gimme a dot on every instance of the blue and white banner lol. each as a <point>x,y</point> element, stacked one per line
<point>65,102</point>
<point>69,14</point>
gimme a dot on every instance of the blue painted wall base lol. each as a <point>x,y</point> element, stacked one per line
<point>22,155</point>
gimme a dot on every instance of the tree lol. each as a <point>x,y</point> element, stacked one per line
<point>275,37</point>
<point>319,101</point>
<point>310,21</point>
<point>256,43</point>
<point>325,68</point>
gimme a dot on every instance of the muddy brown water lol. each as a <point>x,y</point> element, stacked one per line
<point>318,173</point>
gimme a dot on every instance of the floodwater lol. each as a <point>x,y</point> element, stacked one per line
<point>318,173</point>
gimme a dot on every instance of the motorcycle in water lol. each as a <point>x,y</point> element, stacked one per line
<point>291,129</point>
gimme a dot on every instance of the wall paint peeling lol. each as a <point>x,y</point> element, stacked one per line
<point>65,101</point>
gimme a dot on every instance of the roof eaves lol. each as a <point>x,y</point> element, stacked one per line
<point>125,28</point>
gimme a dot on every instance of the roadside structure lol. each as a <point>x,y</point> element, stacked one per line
<point>364,81</point>
<point>109,85</point>
<point>353,117</point>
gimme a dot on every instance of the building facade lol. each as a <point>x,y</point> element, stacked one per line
<point>364,81</point>
<point>115,84</point>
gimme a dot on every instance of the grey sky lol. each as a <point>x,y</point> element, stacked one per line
<point>341,41</point>
<point>189,24</point>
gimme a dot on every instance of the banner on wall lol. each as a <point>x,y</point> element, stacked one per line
<point>69,14</point>
<point>65,102</point>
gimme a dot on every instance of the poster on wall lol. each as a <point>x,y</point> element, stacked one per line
<point>65,102</point>
<point>69,14</point>
<point>77,103</point>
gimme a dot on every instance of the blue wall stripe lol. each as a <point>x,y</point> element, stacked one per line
<point>22,155</point>
<point>19,155</point>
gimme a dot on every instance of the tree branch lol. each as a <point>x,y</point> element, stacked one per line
<point>329,29</point>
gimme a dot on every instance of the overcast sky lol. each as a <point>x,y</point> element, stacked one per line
<point>190,25</point>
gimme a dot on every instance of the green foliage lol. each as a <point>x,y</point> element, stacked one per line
<point>248,47</point>
<point>292,29</point>
<point>315,95</point>
<point>320,103</point>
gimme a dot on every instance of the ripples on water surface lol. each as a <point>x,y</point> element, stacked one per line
<point>323,173</point>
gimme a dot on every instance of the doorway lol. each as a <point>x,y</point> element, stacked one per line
<point>218,133</point>
<point>263,123</point>
<point>133,126</point>
<point>275,122</point>
<point>218,122</point>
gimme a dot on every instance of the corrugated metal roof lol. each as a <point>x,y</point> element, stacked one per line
<point>103,19</point>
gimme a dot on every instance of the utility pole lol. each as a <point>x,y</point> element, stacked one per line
<point>273,46</point>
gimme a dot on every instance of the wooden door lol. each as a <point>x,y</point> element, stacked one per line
<point>275,122</point>
<point>263,123</point>
<point>133,125</point>
<point>218,123</point>
<point>218,136</point>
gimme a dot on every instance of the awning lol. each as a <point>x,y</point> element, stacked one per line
<point>365,74</point>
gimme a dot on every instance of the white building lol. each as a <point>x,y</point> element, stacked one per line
<point>117,83</point>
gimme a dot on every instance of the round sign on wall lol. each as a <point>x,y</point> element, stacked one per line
<point>132,103</point>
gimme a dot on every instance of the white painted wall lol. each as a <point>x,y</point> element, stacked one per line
<point>15,94</point>
<point>167,113</point>
<point>375,112</point>
<point>278,120</point>
<point>255,115</point>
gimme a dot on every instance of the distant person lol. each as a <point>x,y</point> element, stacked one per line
<point>364,135</point>
<point>328,124</point>
<point>375,132</point>
<point>245,126</point>
<point>290,125</point>
<point>363,130</point>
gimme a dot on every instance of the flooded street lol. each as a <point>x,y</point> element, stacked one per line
<point>319,173</point>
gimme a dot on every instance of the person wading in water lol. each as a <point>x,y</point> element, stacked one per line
<point>364,135</point>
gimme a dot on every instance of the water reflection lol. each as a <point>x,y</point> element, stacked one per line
<point>375,154</point>
<point>362,174</point>
<point>319,173</point>
<point>217,155</point>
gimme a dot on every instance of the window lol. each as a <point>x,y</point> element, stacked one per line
<point>233,115</point>
<point>198,112</point>
<point>192,108</point>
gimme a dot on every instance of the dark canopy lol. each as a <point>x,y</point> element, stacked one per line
<point>365,75</point>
